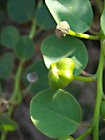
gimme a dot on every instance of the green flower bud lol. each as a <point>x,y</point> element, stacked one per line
<point>61,73</point>
<point>103,109</point>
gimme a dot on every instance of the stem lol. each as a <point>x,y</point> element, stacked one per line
<point>85,134</point>
<point>33,29</point>
<point>3,136</point>
<point>15,94</point>
<point>99,5</point>
<point>99,95</point>
<point>16,86</point>
<point>85,79</point>
<point>81,35</point>
<point>25,92</point>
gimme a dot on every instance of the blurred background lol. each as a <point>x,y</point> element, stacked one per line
<point>16,26</point>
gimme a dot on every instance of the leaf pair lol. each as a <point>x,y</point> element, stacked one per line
<point>22,46</point>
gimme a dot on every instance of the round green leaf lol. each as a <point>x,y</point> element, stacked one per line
<point>55,114</point>
<point>10,36</point>
<point>41,72</point>
<point>103,21</point>
<point>24,48</point>
<point>7,124</point>
<point>42,14</point>
<point>21,11</point>
<point>78,13</point>
<point>53,49</point>
<point>6,64</point>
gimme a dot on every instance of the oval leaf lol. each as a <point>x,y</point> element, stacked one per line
<point>41,72</point>
<point>103,21</point>
<point>42,14</point>
<point>6,64</point>
<point>53,49</point>
<point>21,11</point>
<point>7,124</point>
<point>24,48</point>
<point>10,36</point>
<point>55,114</point>
<point>69,10</point>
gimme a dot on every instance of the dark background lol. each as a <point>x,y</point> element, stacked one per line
<point>26,129</point>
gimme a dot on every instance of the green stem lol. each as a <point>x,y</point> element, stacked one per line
<point>99,5</point>
<point>99,95</point>
<point>85,79</point>
<point>16,86</point>
<point>3,136</point>
<point>85,134</point>
<point>15,94</point>
<point>33,29</point>
<point>85,36</point>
